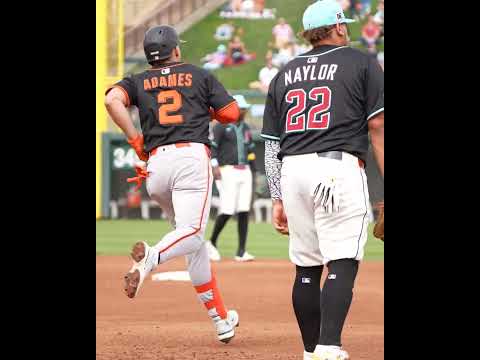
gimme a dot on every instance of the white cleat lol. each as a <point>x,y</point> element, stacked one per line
<point>308,355</point>
<point>226,328</point>
<point>213,253</point>
<point>246,257</point>
<point>145,259</point>
<point>323,352</point>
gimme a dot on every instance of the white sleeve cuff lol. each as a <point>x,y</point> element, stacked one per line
<point>269,137</point>
<point>375,113</point>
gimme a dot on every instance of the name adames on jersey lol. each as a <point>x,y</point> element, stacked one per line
<point>172,80</point>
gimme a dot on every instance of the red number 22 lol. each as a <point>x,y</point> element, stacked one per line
<point>296,115</point>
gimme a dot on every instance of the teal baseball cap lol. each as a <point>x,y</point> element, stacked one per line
<point>324,13</point>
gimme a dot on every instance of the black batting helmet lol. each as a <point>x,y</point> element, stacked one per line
<point>159,42</point>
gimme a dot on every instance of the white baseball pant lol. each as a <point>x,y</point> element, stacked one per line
<point>235,189</point>
<point>180,180</point>
<point>317,236</point>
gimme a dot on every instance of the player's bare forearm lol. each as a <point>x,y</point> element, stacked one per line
<point>376,128</point>
<point>378,151</point>
<point>217,175</point>
<point>115,103</point>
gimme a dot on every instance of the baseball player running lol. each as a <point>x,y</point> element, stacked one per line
<point>320,109</point>
<point>175,101</point>
<point>232,160</point>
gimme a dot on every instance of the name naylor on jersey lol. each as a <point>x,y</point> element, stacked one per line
<point>172,80</point>
<point>310,73</point>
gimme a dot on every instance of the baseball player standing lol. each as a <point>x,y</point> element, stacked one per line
<point>320,109</point>
<point>175,101</point>
<point>232,160</point>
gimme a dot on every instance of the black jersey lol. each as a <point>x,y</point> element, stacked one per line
<point>173,103</point>
<point>232,143</point>
<point>322,101</point>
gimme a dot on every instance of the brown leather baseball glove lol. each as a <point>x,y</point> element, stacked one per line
<point>378,230</point>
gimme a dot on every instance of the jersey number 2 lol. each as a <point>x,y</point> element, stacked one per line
<point>318,116</point>
<point>169,101</point>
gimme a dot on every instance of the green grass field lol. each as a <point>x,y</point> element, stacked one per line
<point>115,237</point>
<point>257,35</point>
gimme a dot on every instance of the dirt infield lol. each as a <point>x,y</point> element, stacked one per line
<point>167,322</point>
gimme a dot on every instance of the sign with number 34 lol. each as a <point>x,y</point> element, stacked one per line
<point>124,158</point>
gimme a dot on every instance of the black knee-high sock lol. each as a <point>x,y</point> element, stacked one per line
<point>306,303</point>
<point>336,297</point>
<point>242,232</point>
<point>219,225</point>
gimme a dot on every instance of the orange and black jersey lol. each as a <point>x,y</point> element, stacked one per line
<point>173,102</point>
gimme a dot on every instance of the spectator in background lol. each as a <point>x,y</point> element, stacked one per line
<point>237,50</point>
<point>259,6</point>
<point>215,60</point>
<point>283,33</point>
<point>236,5</point>
<point>345,4</point>
<point>358,10</point>
<point>370,33</point>
<point>366,7</point>
<point>247,9</point>
<point>379,16</point>
<point>248,6</point>
<point>265,75</point>
<point>301,49</point>
<point>224,31</point>
<point>286,53</point>
<point>353,9</point>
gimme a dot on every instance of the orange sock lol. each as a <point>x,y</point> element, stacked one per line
<point>210,296</point>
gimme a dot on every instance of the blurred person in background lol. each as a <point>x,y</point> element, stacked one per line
<point>353,9</point>
<point>345,4</point>
<point>365,8</point>
<point>302,48</point>
<point>224,31</point>
<point>284,55</point>
<point>236,5</point>
<point>248,6</point>
<point>282,33</point>
<point>358,10</point>
<point>215,60</point>
<point>237,50</point>
<point>259,6</point>
<point>379,17</point>
<point>233,162</point>
<point>265,76</point>
<point>370,34</point>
